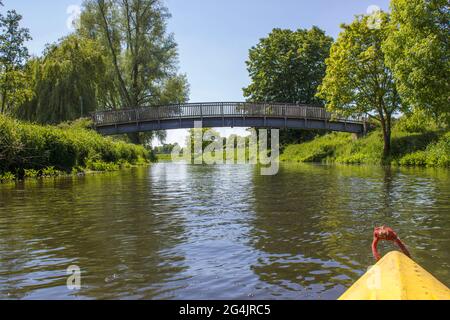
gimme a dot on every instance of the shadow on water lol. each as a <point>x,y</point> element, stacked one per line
<point>177,231</point>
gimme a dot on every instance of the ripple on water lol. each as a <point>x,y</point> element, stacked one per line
<point>175,231</point>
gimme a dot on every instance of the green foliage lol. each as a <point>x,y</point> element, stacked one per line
<point>31,173</point>
<point>418,52</point>
<point>206,135</point>
<point>14,83</point>
<point>102,166</point>
<point>174,90</point>
<point>77,170</point>
<point>82,123</point>
<point>164,157</point>
<point>288,66</point>
<point>436,155</point>
<point>356,71</point>
<point>51,172</point>
<point>141,55</point>
<point>357,80</point>
<point>123,164</point>
<point>430,148</point>
<point>6,177</point>
<point>165,149</point>
<point>418,121</point>
<point>50,149</point>
<point>67,81</point>
<point>318,150</point>
<point>404,142</point>
<point>368,150</point>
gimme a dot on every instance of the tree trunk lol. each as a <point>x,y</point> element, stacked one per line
<point>123,88</point>
<point>4,98</point>
<point>386,126</point>
<point>5,93</point>
<point>135,90</point>
<point>387,144</point>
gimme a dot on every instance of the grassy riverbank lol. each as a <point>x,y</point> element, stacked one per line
<point>163,157</point>
<point>30,150</point>
<point>208,157</point>
<point>426,149</point>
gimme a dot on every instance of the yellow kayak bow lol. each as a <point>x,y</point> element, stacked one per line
<point>397,277</point>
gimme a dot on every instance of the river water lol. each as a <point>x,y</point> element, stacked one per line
<point>177,231</point>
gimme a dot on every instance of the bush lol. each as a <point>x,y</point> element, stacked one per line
<point>417,122</point>
<point>102,166</point>
<point>414,159</point>
<point>25,146</point>
<point>31,173</point>
<point>7,176</point>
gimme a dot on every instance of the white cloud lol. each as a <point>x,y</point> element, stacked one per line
<point>373,9</point>
<point>374,21</point>
<point>74,12</point>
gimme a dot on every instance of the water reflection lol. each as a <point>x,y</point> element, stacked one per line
<point>109,225</point>
<point>217,206</point>
<point>176,231</point>
<point>316,236</point>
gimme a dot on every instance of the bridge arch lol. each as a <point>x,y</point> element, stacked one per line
<point>225,114</point>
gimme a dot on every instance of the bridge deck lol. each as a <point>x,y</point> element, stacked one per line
<point>224,114</point>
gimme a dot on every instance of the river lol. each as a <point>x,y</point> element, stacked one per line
<point>177,231</point>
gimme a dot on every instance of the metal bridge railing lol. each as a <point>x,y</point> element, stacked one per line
<point>218,110</point>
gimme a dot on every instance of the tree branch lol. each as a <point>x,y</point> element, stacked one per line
<point>101,7</point>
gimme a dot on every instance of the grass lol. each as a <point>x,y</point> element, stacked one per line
<point>206,155</point>
<point>163,157</point>
<point>29,150</point>
<point>426,149</point>
<point>435,155</point>
<point>321,149</point>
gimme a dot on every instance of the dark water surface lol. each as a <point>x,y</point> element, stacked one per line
<point>175,231</point>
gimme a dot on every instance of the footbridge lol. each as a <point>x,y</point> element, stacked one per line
<point>225,114</point>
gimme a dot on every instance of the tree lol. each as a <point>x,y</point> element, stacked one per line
<point>357,80</point>
<point>418,52</point>
<point>13,56</point>
<point>166,148</point>
<point>142,55</point>
<point>288,66</point>
<point>67,81</point>
<point>205,135</point>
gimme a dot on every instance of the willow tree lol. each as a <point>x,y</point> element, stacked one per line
<point>357,80</point>
<point>67,81</point>
<point>418,51</point>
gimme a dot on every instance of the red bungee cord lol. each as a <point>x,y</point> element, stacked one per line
<point>387,234</point>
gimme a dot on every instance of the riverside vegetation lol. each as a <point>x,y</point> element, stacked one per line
<point>411,146</point>
<point>381,65</point>
<point>29,150</point>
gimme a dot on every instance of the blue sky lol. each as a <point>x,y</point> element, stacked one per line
<point>213,36</point>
